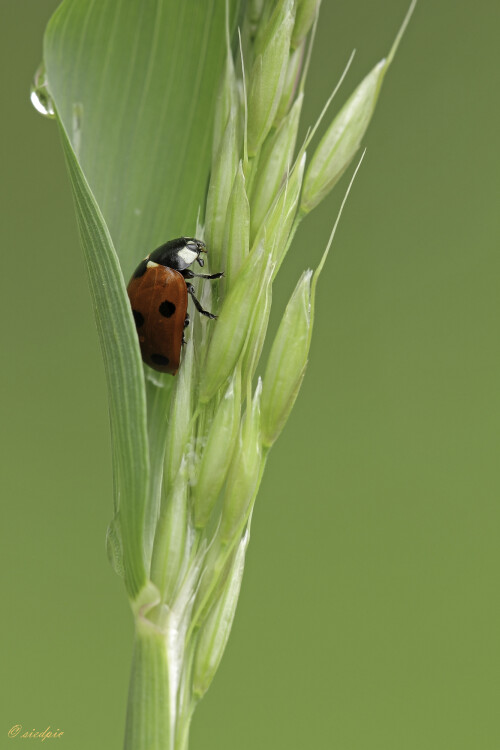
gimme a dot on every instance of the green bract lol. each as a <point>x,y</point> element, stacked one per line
<point>287,361</point>
<point>215,632</point>
<point>342,140</point>
<point>268,73</point>
<point>291,83</point>
<point>343,137</point>
<point>221,183</point>
<point>306,12</point>
<point>236,242</point>
<point>244,475</point>
<point>145,128</point>
<point>234,322</point>
<point>218,452</point>
<point>275,161</point>
<point>227,102</point>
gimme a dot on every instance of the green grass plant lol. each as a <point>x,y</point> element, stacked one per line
<point>154,101</point>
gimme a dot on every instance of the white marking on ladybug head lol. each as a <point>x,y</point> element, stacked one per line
<point>152,264</point>
<point>187,255</point>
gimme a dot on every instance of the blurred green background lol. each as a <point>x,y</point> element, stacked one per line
<point>369,615</point>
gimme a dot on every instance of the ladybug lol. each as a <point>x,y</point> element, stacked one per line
<point>158,293</point>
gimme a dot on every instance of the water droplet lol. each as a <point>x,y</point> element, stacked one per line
<point>39,95</point>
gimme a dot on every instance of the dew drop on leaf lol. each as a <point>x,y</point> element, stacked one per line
<point>39,93</point>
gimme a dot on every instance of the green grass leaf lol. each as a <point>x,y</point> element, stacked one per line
<point>124,372</point>
<point>133,86</point>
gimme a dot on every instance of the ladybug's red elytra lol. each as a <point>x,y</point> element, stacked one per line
<point>158,293</point>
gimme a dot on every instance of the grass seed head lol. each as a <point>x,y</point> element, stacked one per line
<point>219,190</point>
<point>234,323</point>
<point>275,160</point>
<point>179,420</point>
<point>291,83</point>
<point>236,234</point>
<point>244,474</point>
<point>227,102</point>
<point>304,19</point>
<point>254,10</point>
<point>278,223</point>
<point>268,73</point>
<point>172,530</point>
<point>342,139</point>
<point>215,630</point>
<point>287,361</point>
<point>218,452</point>
<point>256,339</point>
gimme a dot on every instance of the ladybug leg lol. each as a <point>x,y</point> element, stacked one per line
<point>190,289</point>
<point>209,275</point>
<point>190,275</point>
<point>186,323</point>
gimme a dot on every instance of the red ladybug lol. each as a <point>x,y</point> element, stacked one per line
<point>158,295</point>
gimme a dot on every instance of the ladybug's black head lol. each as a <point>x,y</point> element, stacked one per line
<point>194,244</point>
<point>197,246</point>
<point>179,254</point>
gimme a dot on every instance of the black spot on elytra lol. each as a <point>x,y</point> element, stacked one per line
<point>159,359</point>
<point>141,269</point>
<point>167,309</point>
<point>138,317</point>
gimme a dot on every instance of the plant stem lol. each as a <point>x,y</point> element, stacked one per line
<point>153,722</point>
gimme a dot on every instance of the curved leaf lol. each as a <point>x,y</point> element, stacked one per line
<point>124,372</point>
<point>134,84</point>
